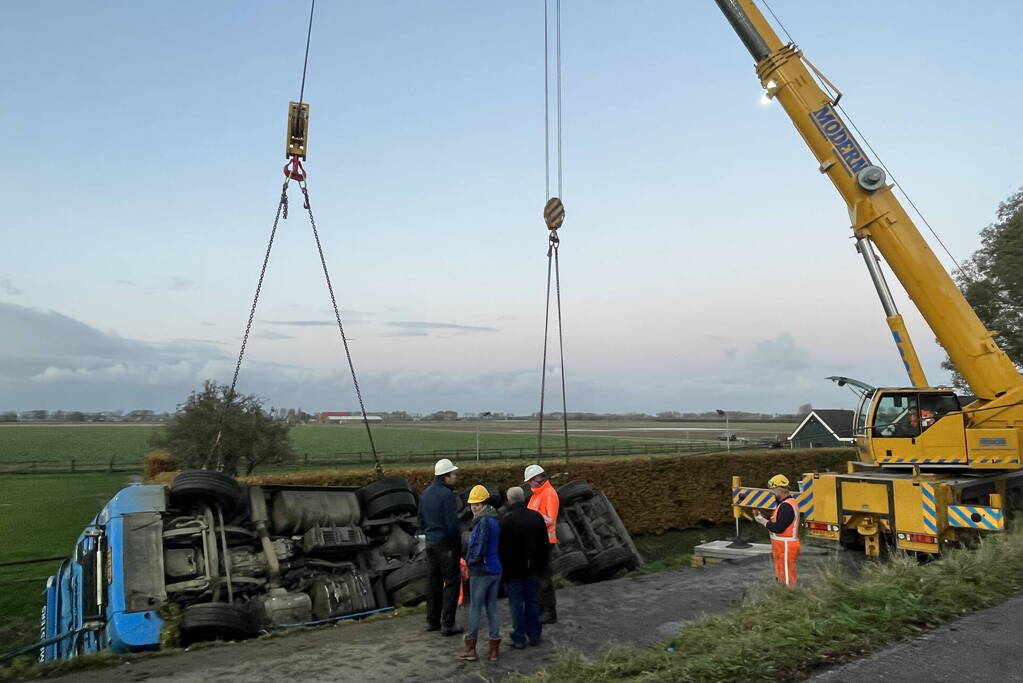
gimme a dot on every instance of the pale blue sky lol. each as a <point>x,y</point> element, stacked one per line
<point>705,261</point>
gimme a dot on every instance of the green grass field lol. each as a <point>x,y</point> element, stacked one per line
<point>127,444</point>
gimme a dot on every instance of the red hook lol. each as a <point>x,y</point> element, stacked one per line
<point>294,170</point>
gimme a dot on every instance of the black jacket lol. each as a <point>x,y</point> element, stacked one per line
<point>523,546</point>
<point>785,517</point>
<point>438,514</point>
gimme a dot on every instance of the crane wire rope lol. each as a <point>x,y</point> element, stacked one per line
<point>877,156</point>
<point>554,216</point>
<point>295,171</point>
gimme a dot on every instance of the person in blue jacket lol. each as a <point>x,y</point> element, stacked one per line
<point>484,572</point>
<point>438,519</point>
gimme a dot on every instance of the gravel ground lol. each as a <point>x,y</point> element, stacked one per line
<point>637,610</point>
<point>980,647</point>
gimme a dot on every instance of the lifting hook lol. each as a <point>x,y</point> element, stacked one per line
<point>294,170</point>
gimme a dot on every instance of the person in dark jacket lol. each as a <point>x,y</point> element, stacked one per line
<point>524,551</point>
<point>484,573</point>
<point>438,519</point>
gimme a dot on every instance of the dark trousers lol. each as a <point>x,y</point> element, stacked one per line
<point>445,580</point>
<point>548,603</point>
<point>524,604</point>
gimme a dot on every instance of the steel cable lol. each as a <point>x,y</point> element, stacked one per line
<point>377,467</point>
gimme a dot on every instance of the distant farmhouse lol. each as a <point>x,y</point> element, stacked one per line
<point>824,429</point>
<point>334,418</point>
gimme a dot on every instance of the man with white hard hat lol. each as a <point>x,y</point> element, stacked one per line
<point>545,501</point>
<point>438,519</point>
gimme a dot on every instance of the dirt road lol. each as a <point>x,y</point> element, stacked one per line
<point>980,647</point>
<point>637,610</point>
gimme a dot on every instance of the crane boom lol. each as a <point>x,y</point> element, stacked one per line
<point>877,215</point>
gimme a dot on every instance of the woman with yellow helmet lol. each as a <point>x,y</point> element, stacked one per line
<point>484,572</point>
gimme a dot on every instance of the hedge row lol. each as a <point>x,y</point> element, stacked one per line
<point>651,494</point>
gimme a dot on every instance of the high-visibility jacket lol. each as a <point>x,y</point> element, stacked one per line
<point>791,532</point>
<point>545,501</point>
<point>785,544</point>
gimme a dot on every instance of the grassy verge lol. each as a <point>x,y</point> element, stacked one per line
<point>782,635</point>
<point>41,516</point>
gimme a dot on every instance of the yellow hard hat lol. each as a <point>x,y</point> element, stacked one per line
<point>479,494</point>
<point>777,480</point>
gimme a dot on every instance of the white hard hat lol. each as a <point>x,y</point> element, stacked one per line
<point>444,466</point>
<point>531,472</point>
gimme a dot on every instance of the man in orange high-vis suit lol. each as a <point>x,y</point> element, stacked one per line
<point>784,528</point>
<point>545,501</point>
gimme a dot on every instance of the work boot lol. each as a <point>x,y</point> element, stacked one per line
<point>451,630</point>
<point>470,650</point>
<point>495,649</point>
<point>433,627</point>
<point>549,617</point>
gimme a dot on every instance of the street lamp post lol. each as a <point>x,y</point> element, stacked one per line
<point>728,433</point>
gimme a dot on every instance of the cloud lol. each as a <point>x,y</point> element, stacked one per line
<point>270,334</point>
<point>125,283</point>
<point>7,286</point>
<point>180,284</point>
<point>781,353</point>
<point>53,361</point>
<point>421,326</point>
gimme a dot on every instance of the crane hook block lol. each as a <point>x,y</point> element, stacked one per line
<point>298,129</point>
<point>554,213</point>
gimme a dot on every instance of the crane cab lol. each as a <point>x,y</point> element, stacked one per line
<point>928,429</point>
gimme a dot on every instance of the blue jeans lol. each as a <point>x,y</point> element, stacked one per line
<point>483,593</point>
<point>524,603</point>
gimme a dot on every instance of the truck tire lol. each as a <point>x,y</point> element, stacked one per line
<point>393,503</point>
<point>407,585</point>
<point>570,565</point>
<point>194,487</point>
<point>574,491</point>
<point>382,487</point>
<point>609,562</point>
<point>410,595</point>
<point>214,621</point>
<point>401,577</point>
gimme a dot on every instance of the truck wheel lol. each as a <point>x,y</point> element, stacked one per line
<point>410,595</point>
<point>575,490</point>
<point>382,487</point>
<point>194,487</point>
<point>393,503</point>
<point>402,576</point>
<point>571,564</point>
<point>407,585</point>
<point>214,621</point>
<point>609,562</point>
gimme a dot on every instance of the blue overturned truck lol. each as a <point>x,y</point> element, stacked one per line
<point>207,558</point>
<point>225,561</point>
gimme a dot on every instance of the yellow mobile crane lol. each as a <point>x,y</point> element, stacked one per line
<point>929,471</point>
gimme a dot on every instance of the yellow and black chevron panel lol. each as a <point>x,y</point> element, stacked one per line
<point>892,460</point>
<point>929,507</point>
<point>747,497</point>
<point>805,497</point>
<point>976,517</point>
